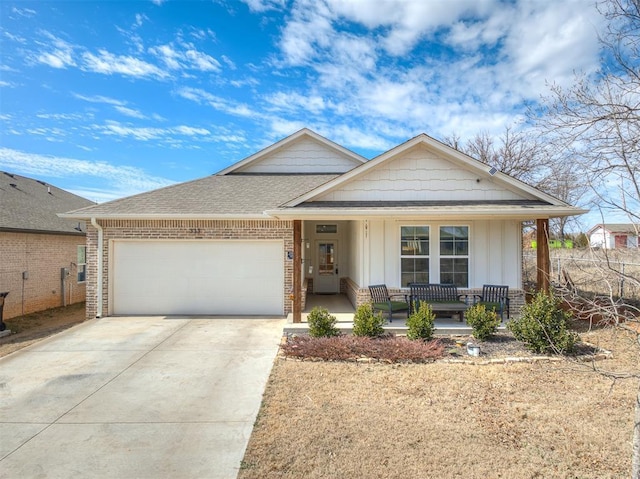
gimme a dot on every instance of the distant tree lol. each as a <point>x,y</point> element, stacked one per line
<point>524,156</point>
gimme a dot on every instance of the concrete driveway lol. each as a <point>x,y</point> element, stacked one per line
<point>136,397</point>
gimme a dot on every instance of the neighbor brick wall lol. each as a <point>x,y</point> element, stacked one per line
<point>180,229</point>
<point>41,256</point>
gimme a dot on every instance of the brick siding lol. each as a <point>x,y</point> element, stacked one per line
<point>41,256</point>
<point>180,229</point>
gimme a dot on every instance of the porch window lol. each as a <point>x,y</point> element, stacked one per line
<point>454,255</point>
<point>82,263</point>
<point>414,254</point>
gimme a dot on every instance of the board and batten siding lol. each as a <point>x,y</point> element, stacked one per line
<point>495,253</point>
<point>302,156</point>
<point>419,174</point>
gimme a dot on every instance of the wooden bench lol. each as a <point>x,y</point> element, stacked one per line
<point>443,298</point>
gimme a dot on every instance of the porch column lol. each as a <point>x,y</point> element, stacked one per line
<point>297,271</point>
<point>542,255</point>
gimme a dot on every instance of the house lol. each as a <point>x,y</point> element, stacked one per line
<point>614,235</point>
<point>308,215</point>
<point>42,256</point>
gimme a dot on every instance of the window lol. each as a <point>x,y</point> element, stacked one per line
<point>327,229</point>
<point>454,255</point>
<point>414,254</point>
<point>82,264</point>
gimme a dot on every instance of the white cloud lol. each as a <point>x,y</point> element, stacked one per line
<point>149,133</point>
<point>120,180</point>
<point>130,112</point>
<point>109,64</point>
<point>60,56</point>
<point>24,12</point>
<point>260,6</point>
<point>222,104</point>
<point>190,58</point>
<point>100,99</point>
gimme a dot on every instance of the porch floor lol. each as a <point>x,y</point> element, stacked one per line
<point>340,307</point>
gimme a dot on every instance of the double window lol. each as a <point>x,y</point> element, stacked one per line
<point>449,260</point>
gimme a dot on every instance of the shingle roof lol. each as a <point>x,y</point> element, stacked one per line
<point>619,227</point>
<point>31,205</point>
<point>239,195</point>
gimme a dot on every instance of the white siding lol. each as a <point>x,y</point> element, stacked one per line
<point>419,174</point>
<point>495,252</point>
<point>302,156</point>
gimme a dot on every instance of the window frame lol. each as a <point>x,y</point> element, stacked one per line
<point>81,267</point>
<point>453,255</point>
<point>426,256</point>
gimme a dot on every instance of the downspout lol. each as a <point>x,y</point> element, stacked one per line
<point>95,224</point>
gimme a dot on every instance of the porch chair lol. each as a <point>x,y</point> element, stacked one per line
<point>494,297</point>
<point>381,300</point>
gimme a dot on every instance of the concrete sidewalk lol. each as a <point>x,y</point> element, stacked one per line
<point>136,397</point>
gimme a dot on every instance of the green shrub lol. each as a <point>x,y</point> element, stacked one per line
<point>321,323</point>
<point>542,326</point>
<point>420,323</point>
<point>483,322</point>
<point>367,323</point>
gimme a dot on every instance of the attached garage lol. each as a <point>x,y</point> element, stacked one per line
<point>225,277</point>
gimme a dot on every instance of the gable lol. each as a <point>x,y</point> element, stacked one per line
<point>305,155</point>
<point>304,152</point>
<point>422,174</point>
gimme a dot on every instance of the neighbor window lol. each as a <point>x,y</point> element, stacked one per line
<point>82,264</point>
<point>414,254</point>
<point>454,255</point>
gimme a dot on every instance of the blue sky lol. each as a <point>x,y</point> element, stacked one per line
<point>111,98</point>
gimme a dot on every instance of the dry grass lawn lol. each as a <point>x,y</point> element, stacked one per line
<point>443,420</point>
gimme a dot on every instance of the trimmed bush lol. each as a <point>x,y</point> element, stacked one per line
<point>542,326</point>
<point>321,323</point>
<point>420,323</point>
<point>484,322</point>
<point>367,323</point>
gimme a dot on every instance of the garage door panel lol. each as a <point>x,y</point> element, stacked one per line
<point>209,277</point>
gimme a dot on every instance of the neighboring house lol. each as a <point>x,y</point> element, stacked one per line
<point>308,214</point>
<point>42,262</point>
<point>611,236</point>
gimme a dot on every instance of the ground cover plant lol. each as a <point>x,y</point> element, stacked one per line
<point>352,348</point>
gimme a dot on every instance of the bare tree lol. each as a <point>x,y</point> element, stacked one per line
<point>525,156</point>
<point>597,123</point>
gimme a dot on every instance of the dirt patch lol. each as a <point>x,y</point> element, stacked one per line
<point>34,327</point>
<point>441,419</point>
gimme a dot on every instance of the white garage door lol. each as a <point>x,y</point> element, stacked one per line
<point>198,277</point>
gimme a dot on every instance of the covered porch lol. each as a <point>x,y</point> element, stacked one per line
<point>340,307</point>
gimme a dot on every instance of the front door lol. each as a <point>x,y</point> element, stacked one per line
<point>326,278</point>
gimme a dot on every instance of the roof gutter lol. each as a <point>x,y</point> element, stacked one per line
<point>95,224</point>
<point>354,213</point>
